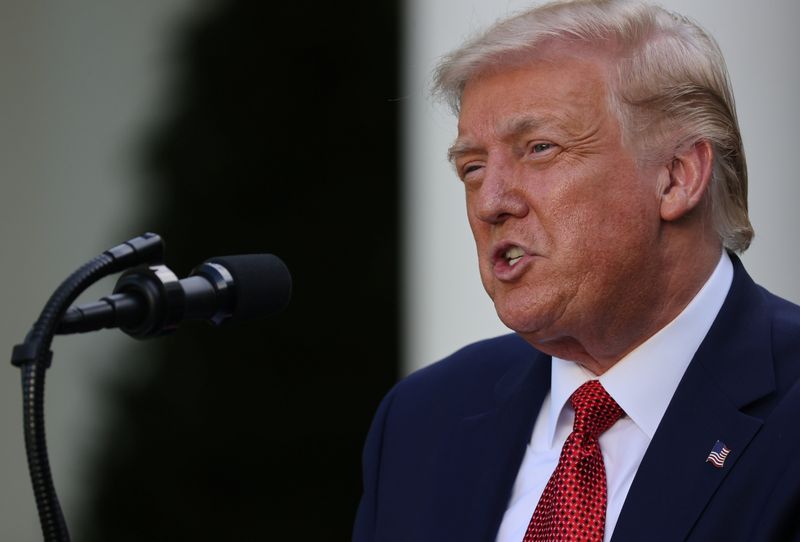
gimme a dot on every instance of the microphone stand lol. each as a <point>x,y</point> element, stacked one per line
<point>34,357</point>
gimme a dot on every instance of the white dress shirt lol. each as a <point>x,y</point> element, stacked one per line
<point>642,383</point>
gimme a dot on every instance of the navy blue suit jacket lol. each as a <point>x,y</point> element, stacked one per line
<point>447,442</point>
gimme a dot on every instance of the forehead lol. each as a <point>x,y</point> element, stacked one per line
<point>564,92</point>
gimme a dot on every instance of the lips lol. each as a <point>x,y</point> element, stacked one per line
<point>509,261</point>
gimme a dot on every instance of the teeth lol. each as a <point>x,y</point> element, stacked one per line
<point>514,255</point>
<point>514,252</point>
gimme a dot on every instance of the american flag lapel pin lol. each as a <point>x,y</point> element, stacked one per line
<point>718,454</point>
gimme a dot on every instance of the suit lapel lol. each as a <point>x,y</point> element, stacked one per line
<point>731,369</point>
<point>484,453</point>
<point>674,482</point>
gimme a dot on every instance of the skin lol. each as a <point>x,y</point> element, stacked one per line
<point>613,247</point>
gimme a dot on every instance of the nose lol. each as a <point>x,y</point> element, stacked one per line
<point>499,197</point>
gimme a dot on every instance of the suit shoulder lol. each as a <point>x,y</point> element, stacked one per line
<point>480,360</point>
<point>470,375</point>
<point>786,315</point>
<point>785,329</point>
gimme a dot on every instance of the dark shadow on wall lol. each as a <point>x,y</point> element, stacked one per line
<point>281,137</point>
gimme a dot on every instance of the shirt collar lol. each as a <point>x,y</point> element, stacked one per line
<point>643,382</point>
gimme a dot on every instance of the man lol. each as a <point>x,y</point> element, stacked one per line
<point>651,389</point>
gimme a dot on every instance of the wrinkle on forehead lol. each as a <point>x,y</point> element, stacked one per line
<point>554,105</point>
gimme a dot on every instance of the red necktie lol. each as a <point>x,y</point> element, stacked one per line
<point>573,505</point>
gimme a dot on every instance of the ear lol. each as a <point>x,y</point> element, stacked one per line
<point>689,176</point>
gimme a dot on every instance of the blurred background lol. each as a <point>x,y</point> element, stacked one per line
<point>304,130</point>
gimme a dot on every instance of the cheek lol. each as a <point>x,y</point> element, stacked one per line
<point>605,205</point>
<point>481,234</point>
<point>481,230</point>
<point>618,234</point>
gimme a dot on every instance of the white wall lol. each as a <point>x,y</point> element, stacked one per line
<point>78,82</point>
<point>446,306</point>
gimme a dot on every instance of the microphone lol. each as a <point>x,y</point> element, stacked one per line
<point>151,301</point>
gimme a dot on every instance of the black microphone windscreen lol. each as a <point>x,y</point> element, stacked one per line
<point>263,284</point>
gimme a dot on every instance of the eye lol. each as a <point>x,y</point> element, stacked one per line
<point>538,148</point>
<point>468,170</point>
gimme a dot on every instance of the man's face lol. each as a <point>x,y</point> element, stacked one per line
<point>565,221</point>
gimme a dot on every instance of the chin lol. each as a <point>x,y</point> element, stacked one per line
<point>523,320</point>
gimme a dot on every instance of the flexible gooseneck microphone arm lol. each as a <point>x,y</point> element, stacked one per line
<point>33,357</point>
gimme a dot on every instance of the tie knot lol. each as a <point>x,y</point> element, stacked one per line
<point>595,410</point>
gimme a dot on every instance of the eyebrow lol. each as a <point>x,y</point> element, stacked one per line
<point>509,129</point>
<point>460,148</point>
